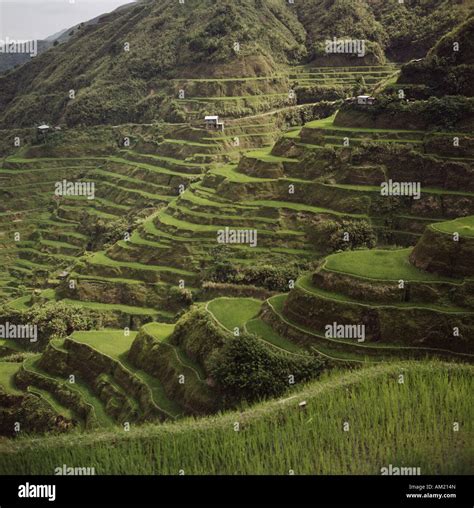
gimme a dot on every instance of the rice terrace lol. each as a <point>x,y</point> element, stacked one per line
<point>237,238</point>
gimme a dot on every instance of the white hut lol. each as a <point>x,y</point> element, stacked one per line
<point>212,122</point>
<point>42,131</point>
<point>365,100</point>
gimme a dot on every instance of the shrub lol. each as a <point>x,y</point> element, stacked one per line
<point>103,233</point>
<point>177,296</point>
<point>268,276</point>
<point>274,278</point>
<point>344,235</point>
<point>53,319</point>
<point>245,370</point>
<point>443,113</point>
<point>317,93</point>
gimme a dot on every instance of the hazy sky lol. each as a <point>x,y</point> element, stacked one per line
<point>38,19</point>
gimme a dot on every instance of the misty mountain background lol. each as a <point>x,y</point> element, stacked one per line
<point>49,22</point>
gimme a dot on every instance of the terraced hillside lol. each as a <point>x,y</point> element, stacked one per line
<point>314,240</point>
<point>179,166</point>
<point>48,233</point>
<point>168,195</point>
<point>307,182</point>
<point>400,306</point>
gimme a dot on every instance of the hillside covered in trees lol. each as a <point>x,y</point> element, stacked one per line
<point>119,68</point>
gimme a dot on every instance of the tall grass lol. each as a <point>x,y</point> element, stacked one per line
<point>403,424</point>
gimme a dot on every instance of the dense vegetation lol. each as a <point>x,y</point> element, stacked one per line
<point>448,68</point>
<point>245,370</point>
<point>409,423</point>
<point>119,71</point>
<point>53,319</point>
<point>147,316</point>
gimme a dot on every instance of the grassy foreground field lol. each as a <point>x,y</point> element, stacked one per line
<point>409,423</point>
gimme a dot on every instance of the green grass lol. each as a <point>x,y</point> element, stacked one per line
<point>220,80</point>
<point>339,140</point>
<point>169,220</point>
<point>293,133</point>
<point>110,342</point>
<point>306,284</point>
<point>119,178</point>
<point>170,160</point>
<point>183,210</point>
<point>186,361</point>
<point>149,167</point>
<point>234,312</point>
<point>266,332</point>
<point>235,97</point>
<point>56,406</point>
<point>115,344</point>
<point>376,189</point>
<point>323,123</point>
<point>278,301</point>
<point>11,344</point>
<point>127,309</point>
<point>90,211</point>
<point>464,226</point>
<point>378,264</point>
<point>7,373</point>
<point>191,197</point>
<point>136,239</point>
<point>336,348</point>
<point>328,123</point>
<point>408,424</point>
<point>80,387</point>
<point>21,303</point>
<point>301,207</point>
<point>100,258</point>
<point>229,171</point>
<point>59,245</point>
<point>113,280</point>
<point>159,331</point>
<point>160,398</point>
<point>264,155</point>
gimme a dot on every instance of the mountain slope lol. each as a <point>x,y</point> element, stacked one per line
<point>165,39</point>
<point>120,67</point>
<point>448,69</point>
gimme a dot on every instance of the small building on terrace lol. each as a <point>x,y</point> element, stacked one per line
<point>212,123</point>
<point>365,100</point>
<point>42,132</point>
